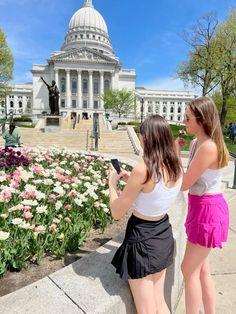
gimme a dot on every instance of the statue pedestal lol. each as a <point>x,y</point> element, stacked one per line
<point>52,123</point>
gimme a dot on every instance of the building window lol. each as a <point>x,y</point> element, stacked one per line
<point>171,109</point>
<point>95,86</point>
<point>20,104</point>
<point>63,85</point>
<point>179,109</point>
<point>85,104</point>
<point>11,104</point>
<point>63,103</point>
<point>106,85</point>
<point>164,109</point>
<point>172,102</point>
<point>179,118</point>
<point>81,36</point>
<point>95,104</point>
<point>149,109</point>
<point>157,109</point>
<point>87,35</point>
<point>74,86</point>
<point>85,87</point>
<point>93,36</point>
<point>73,103</point>
<point>28,104</point>
<point>171,118</point>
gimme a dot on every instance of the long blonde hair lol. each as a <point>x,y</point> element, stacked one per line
<point>206,113</point>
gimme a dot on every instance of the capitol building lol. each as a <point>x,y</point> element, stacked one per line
<point>84,68</point>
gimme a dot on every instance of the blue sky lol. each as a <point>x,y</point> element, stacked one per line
<point>144,34</point>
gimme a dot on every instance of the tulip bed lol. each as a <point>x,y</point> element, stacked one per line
<point>49,200</point>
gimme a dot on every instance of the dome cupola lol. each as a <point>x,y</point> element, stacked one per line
<point>88,28</point>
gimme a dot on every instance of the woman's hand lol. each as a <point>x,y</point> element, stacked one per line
<point>124,175</point>
<point>179,144</point>
<point>113,177</point>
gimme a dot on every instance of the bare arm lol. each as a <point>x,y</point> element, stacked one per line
<point>120,204</point>
<point>205,157</point>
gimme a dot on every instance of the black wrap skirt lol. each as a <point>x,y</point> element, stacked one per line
<point>148,248</point>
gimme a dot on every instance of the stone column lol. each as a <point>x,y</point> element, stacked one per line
<point>79,90</point>
<point>68,89</point>
<point>56,77</point>
<point>90,104</point>
<point>112,79</point>
<point>101,89</point>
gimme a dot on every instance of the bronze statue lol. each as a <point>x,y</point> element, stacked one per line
<point>53,97</point>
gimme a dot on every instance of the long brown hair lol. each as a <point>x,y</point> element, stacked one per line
<point>206,113</point>
<point>159,150</point>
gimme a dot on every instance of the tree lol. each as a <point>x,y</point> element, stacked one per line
<point>212,59</point>
<point>226,67</point>
<point>120,101</point>
<point>199,69</point>
<point>6,66</point>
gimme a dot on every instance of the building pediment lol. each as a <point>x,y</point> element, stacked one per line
<point>82,55</point>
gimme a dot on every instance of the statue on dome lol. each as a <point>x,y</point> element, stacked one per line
<point>53,92</point>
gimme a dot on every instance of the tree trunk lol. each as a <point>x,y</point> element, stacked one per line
<point>223,111</point>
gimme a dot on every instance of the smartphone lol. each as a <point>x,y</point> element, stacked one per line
<point>116,165</point>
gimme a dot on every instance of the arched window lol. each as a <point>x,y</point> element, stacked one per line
<point>74,85</point>
<point>171,109</point>
<point>149,109</point>
<point>63,85</point>
<point>106,85</point>
<point>11,104</point>
<point>20,104</point>
<point>179,109</point>
<point>95,86</point>
<point>28,104</point>
<point>157,109</point>
<point>85,86</point>
<point>164,109</point>
<point>171,118</point>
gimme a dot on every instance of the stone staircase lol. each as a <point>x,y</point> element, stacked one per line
<point>79,138</point>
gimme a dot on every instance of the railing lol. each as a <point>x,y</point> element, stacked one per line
<point>234,156</point>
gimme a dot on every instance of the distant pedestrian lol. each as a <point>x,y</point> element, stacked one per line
<point>232,132</point>
<point>11,137</point>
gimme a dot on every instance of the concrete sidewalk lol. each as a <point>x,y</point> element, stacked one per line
<point>223,267</point>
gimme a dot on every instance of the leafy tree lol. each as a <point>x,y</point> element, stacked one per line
<point>212,59</point>
<point>6,66</point>
<point>226,67</point>
<point>199,70</point>
<point>120,101</point>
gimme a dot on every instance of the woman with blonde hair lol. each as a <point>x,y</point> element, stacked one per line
<point>207,221</point>
<point>151,188</point>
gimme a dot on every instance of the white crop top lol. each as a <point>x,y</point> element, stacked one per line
<point>158,201</point>
<point>210,180</point>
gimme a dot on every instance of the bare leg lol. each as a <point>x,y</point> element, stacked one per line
<point>194,258</point>
<point>143,294</point>
<point>208,288</point>
<point>159,281</point>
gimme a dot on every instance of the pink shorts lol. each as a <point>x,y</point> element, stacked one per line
<point>207,221</point>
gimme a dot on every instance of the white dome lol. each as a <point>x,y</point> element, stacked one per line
<point>88,17</point>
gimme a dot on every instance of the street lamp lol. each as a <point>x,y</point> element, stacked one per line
<point>141,101</point>
<point>11,117</point>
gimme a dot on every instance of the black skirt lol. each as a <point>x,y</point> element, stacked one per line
<point>148,248</point>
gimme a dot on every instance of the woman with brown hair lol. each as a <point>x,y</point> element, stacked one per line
<point>207,220</point>
<point>151,188</point>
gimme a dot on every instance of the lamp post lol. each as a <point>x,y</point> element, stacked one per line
<point>141,101</point>
<point>11,114</point>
